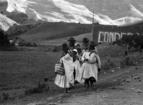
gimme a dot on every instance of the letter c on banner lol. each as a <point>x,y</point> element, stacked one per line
<point>100,36</point>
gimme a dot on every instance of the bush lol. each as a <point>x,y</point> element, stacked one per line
<point>134,41</point>
<point>128,61</point>
<point>4,42</point>
<point>5,97</point>
<point>108,64</point>
<point>55,49</point>
<point>41,87</point>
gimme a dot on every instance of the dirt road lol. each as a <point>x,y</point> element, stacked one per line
<point>115,87</point>
<point>123,87</point>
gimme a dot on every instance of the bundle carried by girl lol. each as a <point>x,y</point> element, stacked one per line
<point>59,68</point>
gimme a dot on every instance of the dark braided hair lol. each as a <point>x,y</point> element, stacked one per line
<point>65,48</point>
<point>92,46</point>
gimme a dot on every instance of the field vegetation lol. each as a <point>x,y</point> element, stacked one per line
<point>21,72</point>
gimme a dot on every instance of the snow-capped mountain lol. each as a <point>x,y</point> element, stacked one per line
<point>136,16</point>
<point>135,12</point>
<point>6,23</point>
<point>128,21</point>
<point>122,12</point>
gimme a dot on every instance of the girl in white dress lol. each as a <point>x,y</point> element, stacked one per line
<point>65,81</point>
<point>91,65</point>
<point>77,67</point>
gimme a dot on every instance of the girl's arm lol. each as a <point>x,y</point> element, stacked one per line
<point>99,61</point>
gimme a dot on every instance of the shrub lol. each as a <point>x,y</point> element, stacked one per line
<point>134,41</point>
<point>42,86</point>
<point>5,96</point>
<point>55,49</point>
<point>108,64</point>
<point>128,61</point>
<point>4,42</point>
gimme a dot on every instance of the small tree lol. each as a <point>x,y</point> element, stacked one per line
<point>4,42</point>
<point>134,41</point>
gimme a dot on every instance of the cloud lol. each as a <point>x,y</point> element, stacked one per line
<point>18,5</point>
<point>78,12</point>
<point>127,20</point>
<point>135,12</point>
<point>81,13</point>
<point>3,0</point>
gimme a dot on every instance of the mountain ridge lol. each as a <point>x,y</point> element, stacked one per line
<point>75,10</point>
<point>6,23</point>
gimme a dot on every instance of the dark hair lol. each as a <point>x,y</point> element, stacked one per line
<point>79,50</point>
<point>72,42</point>
<point>91,45</point>
<point>85,42</point>
<point>45,79</point>
<point>65,48</point>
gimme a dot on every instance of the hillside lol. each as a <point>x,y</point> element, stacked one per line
<point>47,31</point>
<point>18,17</point>
<point>60,41</point>
<point>16,30</point>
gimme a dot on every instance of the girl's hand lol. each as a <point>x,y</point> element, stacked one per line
<point>86,60</point>
<point>99,70</point>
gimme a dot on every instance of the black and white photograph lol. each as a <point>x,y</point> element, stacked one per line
<point>71,52</point>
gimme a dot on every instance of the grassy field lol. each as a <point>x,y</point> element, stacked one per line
<point>20,67</point>
<point>22,70</point>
